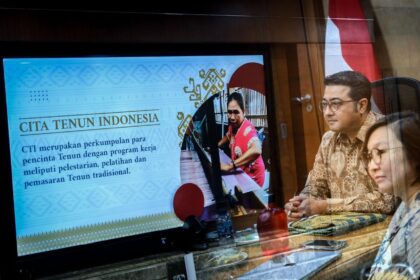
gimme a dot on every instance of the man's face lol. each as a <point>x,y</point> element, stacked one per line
<point>341,113</point>
<point>235,114</point>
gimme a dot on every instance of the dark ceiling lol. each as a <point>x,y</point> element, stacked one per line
<point>233,7</point>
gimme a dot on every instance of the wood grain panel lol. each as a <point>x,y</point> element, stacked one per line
<point>284,118</point>
<point>243,25</point>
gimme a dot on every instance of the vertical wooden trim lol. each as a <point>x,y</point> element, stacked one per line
<point>312,132</point>
<point>283,115</point>
<point>297,120</point>
<point>311,73</point>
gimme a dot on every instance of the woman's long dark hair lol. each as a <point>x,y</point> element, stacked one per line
<point>406,126</point>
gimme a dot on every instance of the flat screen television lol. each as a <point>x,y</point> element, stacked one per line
<point>92,140</point>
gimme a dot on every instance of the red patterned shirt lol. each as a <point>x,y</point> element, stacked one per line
<point>240,142</point>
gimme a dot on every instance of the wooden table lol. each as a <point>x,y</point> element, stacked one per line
<point>361,249</point>
<point>363,244</point>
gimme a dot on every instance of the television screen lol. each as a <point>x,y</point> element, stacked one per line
<point>97,143</point>
<point>97,139</point>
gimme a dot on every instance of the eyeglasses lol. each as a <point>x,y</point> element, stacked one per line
<point>235,112</point>
<point>375,155</point>
<point>334,105</point>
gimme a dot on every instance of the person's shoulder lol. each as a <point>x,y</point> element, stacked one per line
<point>247,126</point>
<point>413,227</point>
<point>248,123</point>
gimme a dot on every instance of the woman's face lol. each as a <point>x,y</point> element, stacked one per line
<point>235,114</point>
<point>388,165</point>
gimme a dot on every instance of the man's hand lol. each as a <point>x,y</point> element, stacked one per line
<point>292,208</point>
<point>310,206</point>
<point>301,206</point>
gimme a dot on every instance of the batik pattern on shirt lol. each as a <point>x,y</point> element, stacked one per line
<point>340,177</point>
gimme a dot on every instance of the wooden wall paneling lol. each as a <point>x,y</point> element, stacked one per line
<point>316,57</point>
<point>215,7</point>
<point>311,74</point>
<point>272,22</point>
<point>296,115</point>
<point>285,128</point>
<point>315,24</point>
<point>309,85</point>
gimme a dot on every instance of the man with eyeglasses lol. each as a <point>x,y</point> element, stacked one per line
<point>339,181</point>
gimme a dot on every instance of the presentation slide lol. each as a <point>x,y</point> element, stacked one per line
<point>95,142</point>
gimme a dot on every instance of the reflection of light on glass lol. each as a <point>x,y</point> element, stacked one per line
<point>394,271</point>
<point>224,227</point>
<point>273,230</point>
<point>400,269</point>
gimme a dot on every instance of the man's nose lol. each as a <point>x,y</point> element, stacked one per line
<point>328,111</point>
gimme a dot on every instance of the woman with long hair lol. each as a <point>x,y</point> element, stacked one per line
<point>392,157</point>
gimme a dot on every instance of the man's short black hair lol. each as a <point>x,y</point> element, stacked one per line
<point>358,83</point>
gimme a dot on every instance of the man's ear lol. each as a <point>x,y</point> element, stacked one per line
<point>362,105</point>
